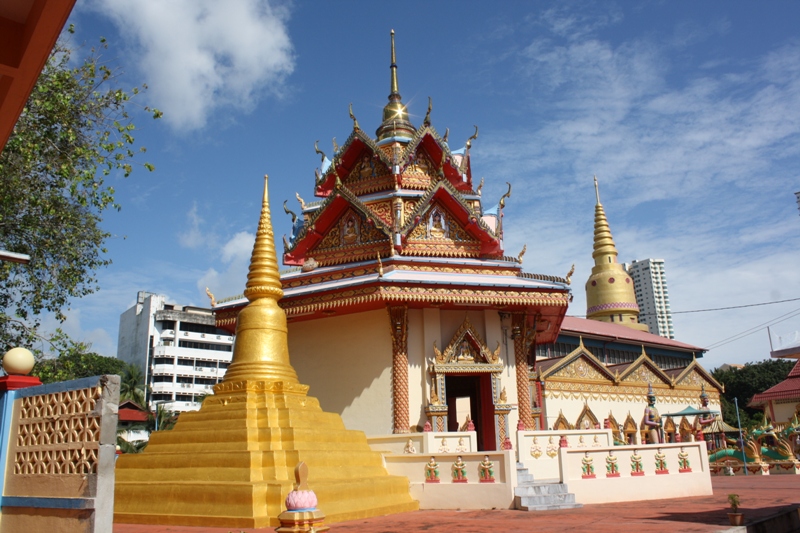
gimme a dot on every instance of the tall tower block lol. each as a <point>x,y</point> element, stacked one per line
<point>231,464</point>
<point>610,295</point>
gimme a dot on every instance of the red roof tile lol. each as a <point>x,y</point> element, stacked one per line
<point>584,326</point>
<point>787,389</point>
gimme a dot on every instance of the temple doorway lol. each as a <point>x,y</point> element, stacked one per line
<point>471,393</point>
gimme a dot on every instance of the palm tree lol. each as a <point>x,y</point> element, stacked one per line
<point>131,386</point>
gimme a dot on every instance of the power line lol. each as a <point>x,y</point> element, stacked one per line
<point>754,329</point>
<point>712,308</point>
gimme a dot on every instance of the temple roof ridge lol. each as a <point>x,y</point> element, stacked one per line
<point>425,204</point>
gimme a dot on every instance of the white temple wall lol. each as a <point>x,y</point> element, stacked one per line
<point>418,384</point>
<point>347,362</point>
<point>782,411</point>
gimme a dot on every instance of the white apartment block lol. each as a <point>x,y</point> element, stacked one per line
<point>179,349</point>
<point>652,296</point>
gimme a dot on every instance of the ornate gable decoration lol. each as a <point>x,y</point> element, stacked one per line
<point>580,365</point>
<point>694,379</point>
<point>368,174</point>
<point>643,374</point>
<point>580,368</point>
<point>644,370</point>
<point>467,351</point>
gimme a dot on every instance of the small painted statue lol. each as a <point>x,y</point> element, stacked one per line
<point>444,448</point>
<point>636,463</point>
<point>652,420</point>
<point>587,465</point>
<point>661,461</point>
<point>611,464</point>
<point>486,470</point>
<point>683,461</point>
<point>536,448</point>
<point>432,471</point>
<point>461,448</point>
<point>410,447</point>
<point>459,471</point>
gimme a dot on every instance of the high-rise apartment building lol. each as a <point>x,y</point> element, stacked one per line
<point>652,296</point>
<point>179,349</point>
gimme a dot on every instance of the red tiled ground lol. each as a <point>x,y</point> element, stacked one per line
<point>761,496</point>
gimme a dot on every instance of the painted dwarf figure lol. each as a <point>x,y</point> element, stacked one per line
<point>587,466</point>
<point>636,464</point>
<point>612,468</point>
<point>652,420</point>
<point>432,471</point>
<point>661,461</point>
<point>459,470</point>
<point>486,470</point>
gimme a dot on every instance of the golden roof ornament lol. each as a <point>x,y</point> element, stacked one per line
<point>446,134</point>
<point>472,138</point>
<point>568,277</point>
<point>506,195</point>
<point>289,211</point>
<point>480,187</point>
<point>522,253</point>
<point>299,199</point>
<point>211,297</point>
<point>395,114</point>
<point>427,120</point>
<point>320,152</point>
<point>353,118</point>
<point>335,146</point>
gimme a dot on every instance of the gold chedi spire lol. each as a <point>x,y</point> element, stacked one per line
<point>261,349</point>
<point>231,464</point>
<point>395,115</point>
<point>610,295</point>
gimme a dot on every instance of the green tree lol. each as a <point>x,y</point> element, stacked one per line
<point>131,386</point>
<point>75,361</point>
<point>744,383</point>
<point>73,134</point>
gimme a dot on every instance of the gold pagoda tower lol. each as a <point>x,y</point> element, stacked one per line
<point>610,295</point>
<point>231,464</point>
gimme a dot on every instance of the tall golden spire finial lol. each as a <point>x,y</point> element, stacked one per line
<point>263,279</point>
<point>261,348</point>
<point>395,115</point>
<point>393,66</point>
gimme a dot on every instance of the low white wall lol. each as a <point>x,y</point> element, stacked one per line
<point>449,495</point>
<point>538,450</point>
<point>625,488</point>
<point>427,443</point>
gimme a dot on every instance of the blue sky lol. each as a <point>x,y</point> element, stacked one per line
<point>688,113</point>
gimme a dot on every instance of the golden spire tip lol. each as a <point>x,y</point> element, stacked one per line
<point>596,190</point>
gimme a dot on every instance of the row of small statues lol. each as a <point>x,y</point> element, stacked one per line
<point>458,471</point>
<point>443,448</point>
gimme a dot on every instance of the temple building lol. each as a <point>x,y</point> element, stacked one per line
<point>404,310</point>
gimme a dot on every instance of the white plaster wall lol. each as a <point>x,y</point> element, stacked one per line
<point>418,386</point>
<point>347,362</point>
<point>650,486</point>
<point>782,412</point>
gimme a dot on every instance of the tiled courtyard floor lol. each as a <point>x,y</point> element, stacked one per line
<point>761,496</point>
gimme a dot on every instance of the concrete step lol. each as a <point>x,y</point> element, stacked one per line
<point>546,499</point>
<point>540,489</point>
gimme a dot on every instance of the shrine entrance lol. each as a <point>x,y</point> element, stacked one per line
<point>471,394</point>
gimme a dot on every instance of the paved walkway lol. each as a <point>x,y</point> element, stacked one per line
<point>761,496</point>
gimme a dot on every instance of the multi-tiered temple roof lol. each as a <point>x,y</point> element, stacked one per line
<point>401,222</point>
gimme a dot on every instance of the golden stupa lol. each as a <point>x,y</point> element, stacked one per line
<point>231,464</point>
<point>610,295</point>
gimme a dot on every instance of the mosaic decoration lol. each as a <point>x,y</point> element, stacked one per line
<point>58,433</point>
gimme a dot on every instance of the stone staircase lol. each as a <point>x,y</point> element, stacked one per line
<point>532,496</point>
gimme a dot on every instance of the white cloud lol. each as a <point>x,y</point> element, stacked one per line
<point>692,169</point>
<point>98,338</point>
<point>201,55</point>
<point>195,236</point>
<point>236,255</point>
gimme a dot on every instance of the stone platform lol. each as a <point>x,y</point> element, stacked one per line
<point>761,497</point>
